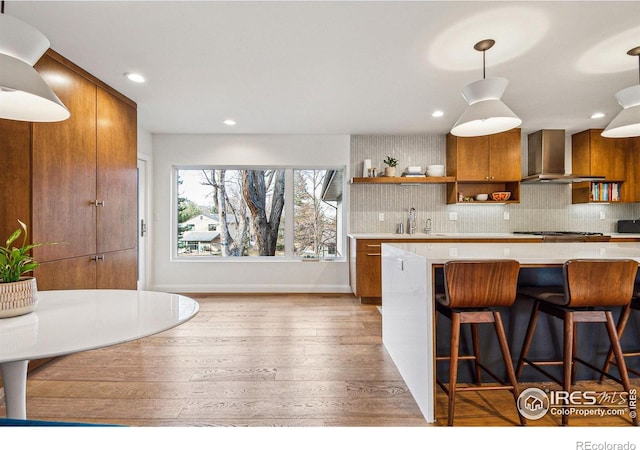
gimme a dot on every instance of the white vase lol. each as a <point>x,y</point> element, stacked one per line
<point>390,171</point>
<point>18,298</point>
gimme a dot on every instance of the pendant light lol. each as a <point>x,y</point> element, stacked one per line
<point>24,95</point>
<point>627,122</point>
<point>486,114</point>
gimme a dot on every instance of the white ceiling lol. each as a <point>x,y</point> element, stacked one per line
<point>338,67</point>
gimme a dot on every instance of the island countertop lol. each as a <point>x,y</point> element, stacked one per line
<point>471,236</point>
<point>408,304</point>
<point>525,253</point>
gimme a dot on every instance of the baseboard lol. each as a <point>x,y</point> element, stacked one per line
<point>253,288</point>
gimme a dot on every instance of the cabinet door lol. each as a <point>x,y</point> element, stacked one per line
<point>15,160</point>
<point>116,174</point>
<point>369,268</point>
<point>505,156</point>
<point>64,168</point>
<point>608,156</point>
<point>472,158</point>
<point>73,273</point>
<point>631,188</point>
<point>591,154</point>
<point>118,270</point>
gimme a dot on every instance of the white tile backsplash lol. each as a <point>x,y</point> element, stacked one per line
<point>541,207</point>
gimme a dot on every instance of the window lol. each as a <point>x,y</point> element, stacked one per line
<point>314,214</point>
<point>240,212</point>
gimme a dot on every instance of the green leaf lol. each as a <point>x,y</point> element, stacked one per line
<point>15,261</point>
<point>15,235</point>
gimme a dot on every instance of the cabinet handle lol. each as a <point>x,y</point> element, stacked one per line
<point>97,258</point>
<point>374,245</point>
<point>374,254</point>
<point>99,203</point>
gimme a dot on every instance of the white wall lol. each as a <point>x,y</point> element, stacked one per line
<point>238,275</point>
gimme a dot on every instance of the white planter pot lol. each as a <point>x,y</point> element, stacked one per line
<point>18,298</point>
<point>390,171</point>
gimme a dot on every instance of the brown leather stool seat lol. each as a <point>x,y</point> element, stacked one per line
<point>473,291</point>
<point>592,287</point>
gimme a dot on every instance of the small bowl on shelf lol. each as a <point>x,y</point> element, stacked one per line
<point>500,196</point>
<point>414,170</point>
<point>482,197</point>
<point>435,170</point>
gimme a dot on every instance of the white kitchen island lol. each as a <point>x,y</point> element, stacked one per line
<point>408,331</point>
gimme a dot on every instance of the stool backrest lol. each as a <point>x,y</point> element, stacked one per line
<point>481,283</point>
<point>599,282</point>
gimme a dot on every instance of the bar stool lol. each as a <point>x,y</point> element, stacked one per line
<point>622,323</point>
<point>473,289</point>
<point>591,288</point>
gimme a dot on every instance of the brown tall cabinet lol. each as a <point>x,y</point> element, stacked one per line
<point>75,182</point>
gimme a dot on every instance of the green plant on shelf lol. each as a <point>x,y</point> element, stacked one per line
<point>390,161</point>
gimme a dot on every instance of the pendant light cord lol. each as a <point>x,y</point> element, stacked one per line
<point>483,46</point>
<point>2,7</point>
<point>483,64</point>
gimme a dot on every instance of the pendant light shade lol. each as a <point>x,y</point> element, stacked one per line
<point>24,95</point>
<point>627,122</point>
<point>21,40</point>
<point>486,114</point>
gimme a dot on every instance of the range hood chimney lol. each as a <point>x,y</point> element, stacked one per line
<point>546,159</point>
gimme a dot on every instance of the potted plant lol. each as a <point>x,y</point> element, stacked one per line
<point>390,171</point>
<point>17,291</point>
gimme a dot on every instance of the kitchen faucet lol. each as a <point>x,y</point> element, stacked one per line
<point>412,221</point>
<point>427,227</point>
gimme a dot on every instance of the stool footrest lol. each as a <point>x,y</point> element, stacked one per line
<point>536,365</point>
<point>479,364</point>
<point>485,388</point>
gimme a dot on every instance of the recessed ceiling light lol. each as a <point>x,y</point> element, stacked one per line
<point>597,115</point>
<point>135,77</point>
<point>229,122</point>
<point>437,113</point>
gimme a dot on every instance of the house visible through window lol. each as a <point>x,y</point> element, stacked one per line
<point>317,198</point>
<point>241,212</point>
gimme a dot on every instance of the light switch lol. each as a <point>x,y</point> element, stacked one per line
<point>381,217</point>
<point>453,216</point>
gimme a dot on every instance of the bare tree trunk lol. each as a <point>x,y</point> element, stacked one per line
<point>228,245</point>
<point>254,190</point>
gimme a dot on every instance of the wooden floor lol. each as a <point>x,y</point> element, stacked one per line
<point>285,360</point>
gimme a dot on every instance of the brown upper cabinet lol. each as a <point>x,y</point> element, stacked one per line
<point>632,189</point>
<point>592,154</point>
<point>484,164</point>
<point>485,158</point>
<point>613,158</point>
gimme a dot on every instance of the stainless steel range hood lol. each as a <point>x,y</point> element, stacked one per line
<point>546,159</point>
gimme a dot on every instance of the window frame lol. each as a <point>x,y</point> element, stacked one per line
<point>288,213</point>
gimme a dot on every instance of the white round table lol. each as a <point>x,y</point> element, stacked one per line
<point>72,321</point>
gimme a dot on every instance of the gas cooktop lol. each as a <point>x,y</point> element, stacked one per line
<point>560,233</point>
<point>568,236</point>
